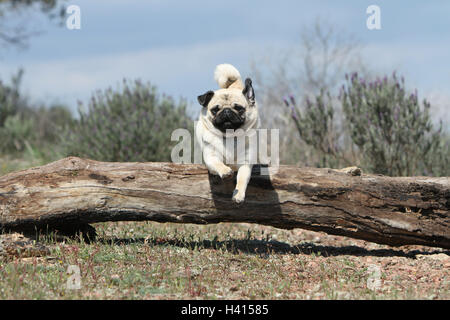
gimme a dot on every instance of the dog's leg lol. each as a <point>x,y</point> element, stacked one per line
<point>243,177</point>
<point>217,167</point>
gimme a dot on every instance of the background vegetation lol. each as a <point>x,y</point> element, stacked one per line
<point>134,124</point>
<point>332,111</point>
<point>378,125</point>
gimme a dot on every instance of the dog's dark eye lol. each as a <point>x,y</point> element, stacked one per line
<point>239,108</point>
<point>215,109</point>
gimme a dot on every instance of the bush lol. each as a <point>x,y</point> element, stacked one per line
<point>16,134</point>
<point>391,128</point>
<point>50,123</point>
<point>35,130</point>
<point>27,128</point>
<point>16,130</point>
<point>318,128</point>
<point>9,98</point>
<point>134,124</point>
<point>389,131</point>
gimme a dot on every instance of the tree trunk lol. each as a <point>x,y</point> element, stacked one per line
<point>73,192</point>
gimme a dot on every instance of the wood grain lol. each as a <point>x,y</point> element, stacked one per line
<point>74,191</point>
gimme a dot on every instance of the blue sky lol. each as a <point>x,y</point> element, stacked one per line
<point>176,44</point>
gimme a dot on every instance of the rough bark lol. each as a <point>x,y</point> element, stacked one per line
<point>73,192</point>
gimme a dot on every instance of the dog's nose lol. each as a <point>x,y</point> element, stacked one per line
<point>227,111</point>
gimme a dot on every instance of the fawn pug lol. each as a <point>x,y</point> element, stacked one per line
<point>229,112</point>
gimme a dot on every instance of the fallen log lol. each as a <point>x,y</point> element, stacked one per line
<point>74,192</point>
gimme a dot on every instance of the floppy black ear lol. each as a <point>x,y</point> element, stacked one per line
<point>248,91</point>
<point>204,99</point>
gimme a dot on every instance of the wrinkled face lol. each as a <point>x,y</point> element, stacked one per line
<point>227,108</point>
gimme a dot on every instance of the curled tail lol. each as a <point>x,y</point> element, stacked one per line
<point>228,76</point>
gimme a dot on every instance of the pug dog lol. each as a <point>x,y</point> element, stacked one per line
<point>228,113</point>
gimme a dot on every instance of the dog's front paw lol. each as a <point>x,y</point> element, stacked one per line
<point>238,197</point>
<point>225,172</point>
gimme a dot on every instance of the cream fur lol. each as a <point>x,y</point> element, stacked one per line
<point>213,141</point>
<point>227,76</point>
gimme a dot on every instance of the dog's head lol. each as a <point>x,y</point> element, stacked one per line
<point>233,106</point>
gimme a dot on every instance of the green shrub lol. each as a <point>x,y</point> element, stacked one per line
<point>17,132</point>
<point>385,129</point>
<point>134,124</point>
<point>391,127</point>
<point>27,128</point>
<point>9,98</point>
<point>318,128</point>
<point>50,122</point>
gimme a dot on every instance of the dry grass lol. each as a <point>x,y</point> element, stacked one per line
<point>147,260</point>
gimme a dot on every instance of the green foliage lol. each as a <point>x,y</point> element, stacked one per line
<point>9,97</point>
<point>16,133</point>
<point>50,122</point>
<point>384,129</point>
<point>134,124</point>
<point>25,128</point>
<point>317,127</point>
<point>391,128</point>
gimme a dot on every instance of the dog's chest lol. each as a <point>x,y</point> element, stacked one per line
<point>232,150</point>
